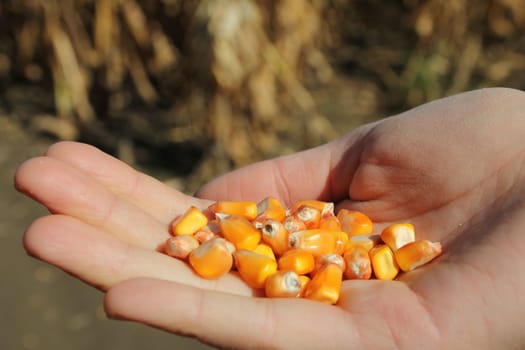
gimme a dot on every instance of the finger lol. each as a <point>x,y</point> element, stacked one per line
<point>102,260</point>
<point>66,190</point>
<point>324,172</point>
<point>160,201</point>
<point>230,321</point>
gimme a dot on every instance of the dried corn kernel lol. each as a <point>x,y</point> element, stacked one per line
<point>317,242</point>
<point>189,222</point>
<point>365,241</point>
<point>240,232</point>
<point>297,260</point>
<point>358,265</point>
<point>325,286</point>
<point>323,207</point>
<point>269,208</point>
<point>304,280</point>
<point>354,222</point>
<point>283,284</point>
<point>397,235</point>
<point>275,235</point>
<point>293,224</point>
<point>264,249</point>
<point>383,263</point>
<point>254,268</point>
<point>415,254</point>
<point>323,260</point>
<point>310,216</point>
<point>245,209</point>
<point>330,222</point>
<point>212,259</point>
<point>180,246</point>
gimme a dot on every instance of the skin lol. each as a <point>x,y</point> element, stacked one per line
<point>455,168</point>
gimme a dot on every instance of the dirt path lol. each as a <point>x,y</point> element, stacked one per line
<point>40,306</point>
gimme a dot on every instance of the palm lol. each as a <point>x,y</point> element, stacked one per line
<point>110,220</point>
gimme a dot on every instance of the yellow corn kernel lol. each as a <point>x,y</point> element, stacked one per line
<point>298,261</point>
<point>275,235</point>
<point>383,263</point>
<point>325,286</point>
<point>264,249</point>
<point>358,265</point>
<point>309,215</point>
<point>212,259</point>
<point>415,254</point>
<point>189,222</point>
<point>269,208</point>
<point>283,284</point>
<point>317,242</point>
<point>304,280</point>
<point>341,241</point>
<point>254,268</point>
<point>330,222</point>
<point>397,235</point>
<point>240,232</point>
<point>180,246</point>
<point>335,259</point>
<point>323,207</point>
<point>365,241</point>
<point>245,209</point>
<point>354,222</point>
<point>293,224</point>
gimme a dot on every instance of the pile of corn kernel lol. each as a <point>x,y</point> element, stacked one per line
<point>304,251</point>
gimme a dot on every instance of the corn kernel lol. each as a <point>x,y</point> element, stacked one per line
<point>283,284</point>
<point>189,222</point>
<point>330,222</point>
<point>240,232</point>
<point>180,246</point>
<point>325,286</point>
<point>323,207</point>
<point>397,235</point>
<point>358,265</point>
<point>297,260</point>
<point>269,208</point>
<point>310,216</point>
<point>245,209</point>
<point>254,268</point>
<point>317,242</point>
<point>354,222</point>
<point>293,224</point>
<point>383,263</point>
<point>415,254</point>
<point>212,259</point>
<point>303,280</point>
<point>275,235</point>
<point>323,260</point>
<point>264,249</point>
<point>365,241</point>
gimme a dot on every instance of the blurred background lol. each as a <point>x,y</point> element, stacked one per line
<point>187,90</point>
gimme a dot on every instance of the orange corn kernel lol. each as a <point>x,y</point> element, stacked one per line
<point>309,215</point>
<point>275,235</point>
<point>330,222</point>
<point>341,241</point>
<point>358,265</point>
<point>415,254</point>
<point>189,222</point>
<point>397,235</point>
<point>293,224</point>
<point>323,207</point>
<point>240,232</point>
<point>283,284</point>
<point>204,235</point>
<point>245,209</point>
<point>325,286</point>
<point>180,246</point>
<point>335,259</point>
<point>365,241</point>
<point>212,259</point>
<point>264,249</point>
<point>269,208</point>
<point>298,261</point>
<point>383,263</point>
<point>354,222</point>
<point>254,268</point>
<point>317,242</point>
<point>304,280</point>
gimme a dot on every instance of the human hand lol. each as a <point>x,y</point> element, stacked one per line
<point>453,167</point>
